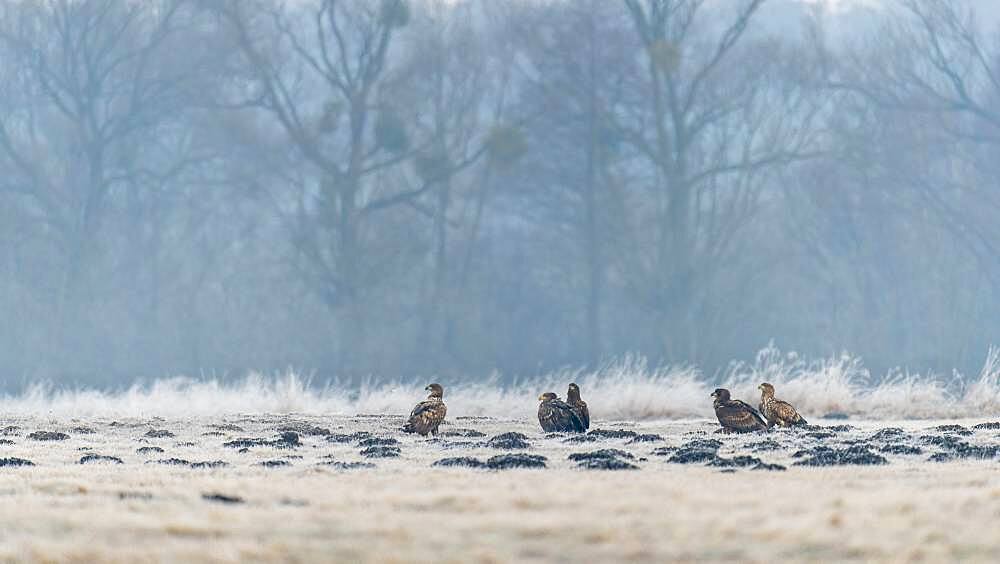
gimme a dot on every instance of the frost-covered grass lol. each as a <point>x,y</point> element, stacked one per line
<point>405,510</point>
<point>627,389</point>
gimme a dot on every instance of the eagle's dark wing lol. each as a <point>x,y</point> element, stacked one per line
<point>785,413</point>
<point>736,415</point>
<point>426,417</point>
<point>558,416</point>
<point>580,407</point>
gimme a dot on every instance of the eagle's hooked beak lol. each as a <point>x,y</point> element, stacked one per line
<point>541,397</point>
<point>712,395</point>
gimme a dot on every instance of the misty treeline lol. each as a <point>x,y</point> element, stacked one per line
<point>402,188</point>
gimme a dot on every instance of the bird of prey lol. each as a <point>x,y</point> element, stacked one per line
<point>578,405</point>
<point>776,411</point>
<point>736,416</point>
<point>428,414</point>
<point>556,415</point>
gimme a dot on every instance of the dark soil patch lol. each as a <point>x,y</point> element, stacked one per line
<point>645,438</point>
<point>769,467</point>
<point>764,446</point>
<point>989,426</point>
<point>901,449</point>
<point>820,435</point>
<point>604,453</point>
<point>467,433</point>
<point>227,427</point>
<point>613,434</point>
<point>465,461</point>
<point>304,429</point>
<point>159,434</point>
<point>348,465</point>
<point>91,458</point>
<point>826,456</point>
<point>888,434</point>
<point>149,450</point>
<point>741,461</point>
<point>213,434</point>
<point>83,430</point>
<point>48,436</point>
<point>4,462</point>
<point>222,498</point>
<point>509,441</point>
<point>274,463</point>
<point>378,441</point>
<point>381,452</point>
<point>581,439</point>
<point>209,464</point>
<point>342,438</point>
<point>955,429</point>
<point>519,460</point>
<point>10,430</point>
<point>698,450</point>
<point>606,464</point>
<point>6,442</point>
<point>173,462</point>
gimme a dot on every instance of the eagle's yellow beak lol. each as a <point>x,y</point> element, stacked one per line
<point>541,397</point>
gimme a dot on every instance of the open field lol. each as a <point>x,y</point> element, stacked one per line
<point>152,508</point>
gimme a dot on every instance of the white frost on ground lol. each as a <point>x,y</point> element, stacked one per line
<point>406,511</point>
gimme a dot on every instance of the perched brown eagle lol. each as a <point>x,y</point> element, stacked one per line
<point>556,415</point>
<point>736,416</point>
<point>777,411</point>
<point>428,414</point>
<point>579,406</point>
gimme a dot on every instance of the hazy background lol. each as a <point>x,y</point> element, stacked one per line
<point>403,188</point>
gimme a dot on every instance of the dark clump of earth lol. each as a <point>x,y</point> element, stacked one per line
<point>606,464</point>
<point>380,452</point>
<point>287,439</point>
<point>613,434</point>
<point>100,458</point>
<point>378,441</point>
<point>901,449</point>
<point>227,427</point>
<point>348,465</point>
<point>6,442</point>
<point>945,441</point>
<point>888,434</point>
<point>769,467</point>
<point>274,463</point>
<point>83,430</point>
<point>741,461</point>
<point>222,498</point>
<point>991,426</point>
<point>213,434</point>
<point>246,443</point>
<point>145,496</point>
<point>159,434</point>
<point>209,464</point>
<point>836,415</point>
<point>509,441</point>
<point>956,429</point>
<point>48,436</point>
<point>826,456</point>
<point>604,459</point>
<point>603,453</point>
<point>519,460</point>
<point>342,438</point>
<point>148,450</point>
<point>174,462</point>
<point>644,438</point>
<point>15,462</point>
<point>466,461</point>
<point>10,430</point>
<point>306,429</point>
<point>962,449</point>
<point>698,450</point>
<point>467,433</point>
<point>820,435</point>
<point>839,428</point>
<point>765,445</point>
<point>581,439</point>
